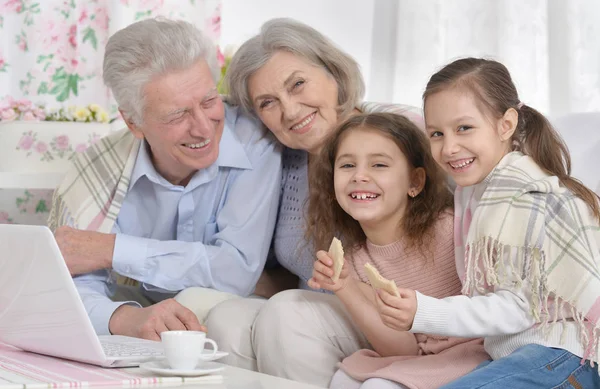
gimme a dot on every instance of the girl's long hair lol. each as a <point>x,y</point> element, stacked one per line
<point>326,219</point>
<point>490,82</point>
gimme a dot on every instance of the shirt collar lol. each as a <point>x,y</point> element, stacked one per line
<point>231,153</point>
<point>231,150</point>
<point>145,167</point>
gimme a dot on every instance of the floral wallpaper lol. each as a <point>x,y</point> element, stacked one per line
<point>51,53</point>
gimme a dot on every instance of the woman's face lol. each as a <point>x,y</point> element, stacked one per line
<point>296,100</point>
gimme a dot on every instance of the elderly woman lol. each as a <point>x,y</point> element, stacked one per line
<point>300,85</point>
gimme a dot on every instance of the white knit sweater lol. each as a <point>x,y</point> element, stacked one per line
<point>504,318</point>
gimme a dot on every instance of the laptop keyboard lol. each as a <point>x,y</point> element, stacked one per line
<point>119,350</point>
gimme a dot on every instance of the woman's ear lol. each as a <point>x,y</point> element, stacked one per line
<point>417,181</point>
<point>508,124</point>
<point>135,130</point>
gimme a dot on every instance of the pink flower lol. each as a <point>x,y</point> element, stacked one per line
<point>62,142</point>
<point>12,5</point>
<point>80,148</point>
<point>220,58</point>
<point>39,113</point>
<point>29,116</point>
<point>71,65</point>
<point>26,142</point>
<point>7,102</point>
<point>101,19</point>
<point>73,35</point>
<point>2,63</point>
<point>23,105</point>
<point>83,16</point>
<point>54,35</point>
<point>41,147</point>
<point>22,45</point>
<point>4,217</point>
<point>8,115</point>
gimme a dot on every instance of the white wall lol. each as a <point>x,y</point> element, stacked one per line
<point>349,23</point>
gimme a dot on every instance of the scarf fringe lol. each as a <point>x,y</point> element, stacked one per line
<point>487,266</point>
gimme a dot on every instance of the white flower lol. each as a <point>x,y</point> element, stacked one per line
<point>82,114</point>
<point>102,116</point>
<point>94,107</point>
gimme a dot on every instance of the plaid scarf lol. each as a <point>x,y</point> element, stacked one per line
<point>91,194</point>
<point>550,238</point>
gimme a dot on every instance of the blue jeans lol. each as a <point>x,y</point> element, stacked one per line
<point>531,366</point>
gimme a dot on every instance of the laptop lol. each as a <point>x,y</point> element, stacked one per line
<point>41,311</point>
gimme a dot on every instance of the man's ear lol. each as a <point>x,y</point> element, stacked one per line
<point>508,124</point>
<point>417,181</point>
<point>135,130</point>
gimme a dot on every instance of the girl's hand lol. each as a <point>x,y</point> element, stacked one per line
<point>397,313</point>
<point>323,271</point>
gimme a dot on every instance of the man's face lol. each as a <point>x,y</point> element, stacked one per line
<point>183,122</point>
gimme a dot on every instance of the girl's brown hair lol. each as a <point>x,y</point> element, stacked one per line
<point>491,85</point>
<point>326,219</point>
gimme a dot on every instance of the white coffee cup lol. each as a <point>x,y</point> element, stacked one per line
<point>184,349</point>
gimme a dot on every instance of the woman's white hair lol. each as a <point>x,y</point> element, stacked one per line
<point>284,34</point>
<point>149,48</point>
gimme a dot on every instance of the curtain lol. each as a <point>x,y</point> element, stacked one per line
<point>51,51</point>
<point>551,47</point>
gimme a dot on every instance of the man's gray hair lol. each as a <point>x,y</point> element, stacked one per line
<point>284,34</point>
<point>149,48</point>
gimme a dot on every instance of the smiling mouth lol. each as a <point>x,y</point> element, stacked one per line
<point>461,164</point>
<point>197,145</point>
<point>304,122</point>
<point>363,196</point>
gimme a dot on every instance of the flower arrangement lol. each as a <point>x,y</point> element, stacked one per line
<point>91,113</point>
<point>11,109</point>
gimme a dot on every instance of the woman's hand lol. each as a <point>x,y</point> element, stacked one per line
<point>397,313</point>
<point>323,271</point>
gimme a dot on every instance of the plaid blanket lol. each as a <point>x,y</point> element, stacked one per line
<point>91,194</point>
<point>553,241</point>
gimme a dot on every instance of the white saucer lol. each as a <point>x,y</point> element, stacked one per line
<point>162,367</point>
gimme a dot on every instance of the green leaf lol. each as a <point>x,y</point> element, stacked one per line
<point>42,58</point>
<point>61,85</point>
<point>74,83</point>
<point>41,207</point>
<point>90,34</point>
<point>143,14</point>
<point>43,89</point>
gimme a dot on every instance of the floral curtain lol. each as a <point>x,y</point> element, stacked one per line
<point>51,53</point>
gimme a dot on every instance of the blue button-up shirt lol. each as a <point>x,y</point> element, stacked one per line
<point>215,232</point>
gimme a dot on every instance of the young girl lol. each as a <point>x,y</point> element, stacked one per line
<point>527,238</point>
<point>377,187</point>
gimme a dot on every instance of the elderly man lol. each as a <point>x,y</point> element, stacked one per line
<point>185,197</point>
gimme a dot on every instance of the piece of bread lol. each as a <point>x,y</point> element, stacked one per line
<point>378,282</point>
<point>336,252</point>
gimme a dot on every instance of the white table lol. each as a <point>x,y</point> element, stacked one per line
<point>236,378</point>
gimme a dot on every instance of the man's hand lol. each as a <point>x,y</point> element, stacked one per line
<point>323,271</point>
<point>85,251</point>
<point>148,323</point>
<point>397,313</point>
